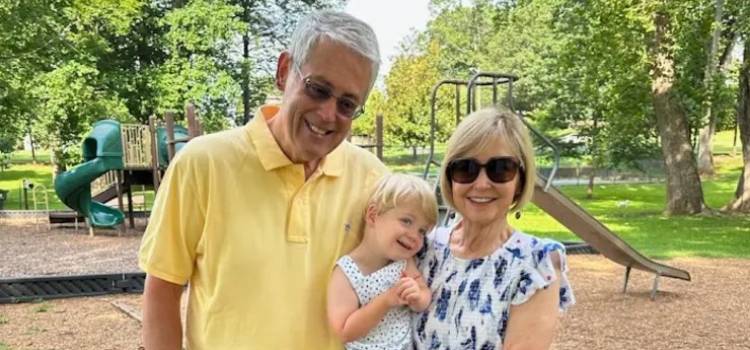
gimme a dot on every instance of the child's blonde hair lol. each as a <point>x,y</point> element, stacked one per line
<point>395,189</point>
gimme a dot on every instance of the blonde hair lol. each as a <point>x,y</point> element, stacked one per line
<point>480,129</point>
<point>395,189</point>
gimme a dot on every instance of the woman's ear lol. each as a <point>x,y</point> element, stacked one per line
<point>371,214</point>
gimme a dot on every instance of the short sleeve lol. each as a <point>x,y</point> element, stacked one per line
<point>169,245</point>
<point>539,272</point>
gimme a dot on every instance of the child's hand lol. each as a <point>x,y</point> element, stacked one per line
<point>393,296</point>
<point>409,289</point>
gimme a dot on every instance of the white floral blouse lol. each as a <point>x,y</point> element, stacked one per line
<point>471,298</point>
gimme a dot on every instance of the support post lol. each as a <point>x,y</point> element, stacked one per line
<point>627,277</point>
<point>656,286</point>
<point>118,188</point>
<point>379,135</point>
<point>192,125</point>
<point>129,189</point>
<point>154,152</point>
<point>170,135</point>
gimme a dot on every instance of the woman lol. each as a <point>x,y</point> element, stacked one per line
<point>493,287</point>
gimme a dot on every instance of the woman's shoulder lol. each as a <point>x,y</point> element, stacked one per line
<point>440,235</point>
<point>532,248</point>
<point>435,241</point>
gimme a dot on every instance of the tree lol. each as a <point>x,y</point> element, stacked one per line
<point>266,27</point>
<point>741,201</point>
<point>684,192</point>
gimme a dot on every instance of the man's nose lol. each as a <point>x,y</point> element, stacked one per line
<point>328,109</point>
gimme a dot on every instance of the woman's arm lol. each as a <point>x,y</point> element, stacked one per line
<point>348,320</point>
<point>533,324</point>
<point>414,290</point>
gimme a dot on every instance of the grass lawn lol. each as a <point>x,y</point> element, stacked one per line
<point>41,174</point>
<point>723,143</point>
<point>633,211</point>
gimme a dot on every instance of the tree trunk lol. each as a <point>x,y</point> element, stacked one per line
<point>245,76</point>
<point>33,148</point>
<point>684,192</point>
<point>595,156</point>
<point>590,188</point>
<point>705,143</point>
<point>741,202</point>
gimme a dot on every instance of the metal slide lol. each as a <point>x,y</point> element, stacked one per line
<point>580,222</point>
<point>548,198</point>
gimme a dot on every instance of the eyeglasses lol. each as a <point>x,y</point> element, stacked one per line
<point>498,170</point>
<point>346,107</point>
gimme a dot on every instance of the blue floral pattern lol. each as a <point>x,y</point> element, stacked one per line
<point>472,298</point>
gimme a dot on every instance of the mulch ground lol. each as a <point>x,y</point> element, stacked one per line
<point>710,312</point>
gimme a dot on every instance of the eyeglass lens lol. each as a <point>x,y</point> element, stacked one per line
<point>319,92</point>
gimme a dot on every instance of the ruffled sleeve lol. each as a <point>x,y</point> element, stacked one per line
<point>538,272</point>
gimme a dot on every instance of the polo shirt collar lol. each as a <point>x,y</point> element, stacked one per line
<point>269,152</point>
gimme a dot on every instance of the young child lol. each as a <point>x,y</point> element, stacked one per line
<point>374,288</point>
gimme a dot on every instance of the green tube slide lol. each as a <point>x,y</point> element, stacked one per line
<point>102,152</point>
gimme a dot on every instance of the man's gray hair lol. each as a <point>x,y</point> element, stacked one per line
<point>339,27</point>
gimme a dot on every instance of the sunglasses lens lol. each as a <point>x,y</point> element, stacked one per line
<point>502,170</point>
<point>499,170</point>
<point>463,171</point>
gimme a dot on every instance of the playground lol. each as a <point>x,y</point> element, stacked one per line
<point>709,312</point>
<point>639,115</point>
<point>702,305</point>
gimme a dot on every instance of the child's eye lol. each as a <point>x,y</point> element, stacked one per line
<point>422,231</point>
<point>406,221</point>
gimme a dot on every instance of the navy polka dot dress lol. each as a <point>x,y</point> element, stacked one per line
<point>393,332</point>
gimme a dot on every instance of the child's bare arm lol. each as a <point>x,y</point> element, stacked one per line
<point>348,320</point>
<point>417,295</point>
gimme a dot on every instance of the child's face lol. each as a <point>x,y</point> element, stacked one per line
<point>400,231</point>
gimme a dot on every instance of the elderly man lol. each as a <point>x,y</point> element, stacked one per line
<point>253,219</point>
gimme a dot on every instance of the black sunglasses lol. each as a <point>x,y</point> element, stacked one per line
<point>319,92</point>
<point>498,169</point>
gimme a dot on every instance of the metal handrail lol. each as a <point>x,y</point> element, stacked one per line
<point>433,119</point>
<point>509,79</point>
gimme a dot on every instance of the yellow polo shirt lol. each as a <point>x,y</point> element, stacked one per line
<point>236,219</point>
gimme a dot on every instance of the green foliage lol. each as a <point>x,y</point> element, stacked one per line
<point>408,87</point>
<point>67,63</point>
<point>365,124</point>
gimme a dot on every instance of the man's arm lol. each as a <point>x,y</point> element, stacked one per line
<point>162,329</point>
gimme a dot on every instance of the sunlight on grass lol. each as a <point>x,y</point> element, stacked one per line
<point>634,212</point>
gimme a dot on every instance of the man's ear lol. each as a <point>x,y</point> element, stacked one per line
<point>371,213</point>
<point>283,67</point>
